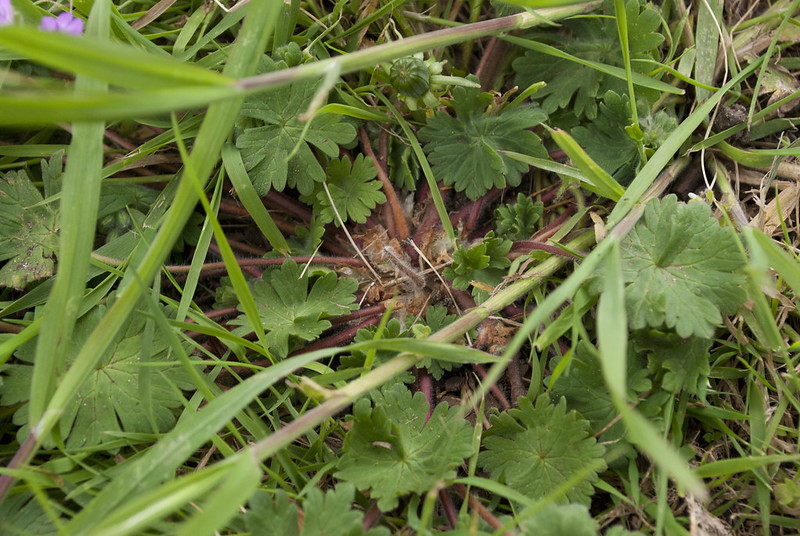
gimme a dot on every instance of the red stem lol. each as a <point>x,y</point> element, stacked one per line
<point>448,507</point>
<point>495,390</point>
<point>485,514</point>
<point>277,261</point>
<point>338,338</point>
<point>373,310</point>
<point>288,205</point>
<point>430,220</point>
<point>395,212</point>
<point>553,227</point>
<point>425,386</point>
<point>526,246</point>
<point>371,517</point>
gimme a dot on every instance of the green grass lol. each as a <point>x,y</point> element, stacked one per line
<point>144,390</point>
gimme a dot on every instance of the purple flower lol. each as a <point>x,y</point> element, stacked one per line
<point>6,13</point>
<point>64,23</point>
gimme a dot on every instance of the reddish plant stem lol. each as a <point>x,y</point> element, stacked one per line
<point>553,227</point>
<point>247,248</point>
<point>373,310</point>
<point>462,214</point>
<point>501,398</point>
<point>328,342</point>
<point>472,211</point>
<point>119,140</point>
<point>246,267</point>
<point>513,312</point>
<point>475,504</point>
<point>430,220</point>
<point>515,379</point>
<point>253,271</point>
<point>299,259</point>
<point>383,147</point>
<point>395,212</point>
<point>215,347</point>
<point>288,205</point>
<point>425,386</point>
<point>463,298</point>
<point>547,196</point>
<point>338,338</point>
<point>22,454</point>
<point>5,327</point>
<point>218,313</point>
<point>524,247</point>
<point>449,508</point>
<point>489,62</point>
<point>371,517</point>
<point>231,207</point>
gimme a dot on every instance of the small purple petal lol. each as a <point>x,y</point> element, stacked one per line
<point>64,23</point>
<point>6,13</point>
<point>49,24</point>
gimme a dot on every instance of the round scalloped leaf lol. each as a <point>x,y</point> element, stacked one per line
<point>393,451</point>
<point>536,448</point>
<point>681,268</point>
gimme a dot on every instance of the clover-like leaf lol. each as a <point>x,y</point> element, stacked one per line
<point>536,448</point>
<point>619,530</point>
<point>683,362</point>
<point>288,309</point>
<point>393,329</point>
<point>28,232</point>
<point>353,190</point>
<point>607,141</point>
<point>328,513</point>
<point>393,451</point>
<point>517,221</point>
<point>585,390</point>
<point>21,513</point>
<point>560,520</point>
<point>110,400</point>
<point>402,164</point>
<point>306,239</point>
<point>464,149</point>
<point>266,143</point>
<point>484,263</point>
<point>681,268</point>
<point>576,86</point>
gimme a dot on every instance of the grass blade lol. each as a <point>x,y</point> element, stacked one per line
<point>250,199</point>
<point>80,198</point>
<point>101,59</point>
<point>599,180</point>
<point>612,324</point>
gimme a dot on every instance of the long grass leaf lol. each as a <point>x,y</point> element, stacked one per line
<point>216,128</point>
<point>43,107</point>
<point>80,198</point>
<point>612,324</point>
<point>600,181</point>
<point>250,198</point>
<point>784,264</point>
<point>97,57</point>
<point>733,466</point>
<point>638,78</point>
<point>662,157</point>
<point>707,36</point>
